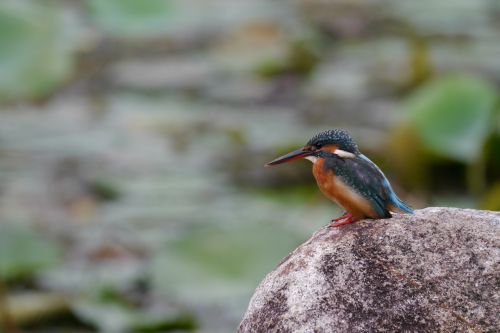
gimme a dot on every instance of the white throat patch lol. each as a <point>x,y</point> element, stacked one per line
<point>313,159</point>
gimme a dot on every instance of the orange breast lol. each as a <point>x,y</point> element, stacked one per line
<point>334,189</point>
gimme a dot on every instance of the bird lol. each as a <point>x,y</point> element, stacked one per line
<point>347,177</point>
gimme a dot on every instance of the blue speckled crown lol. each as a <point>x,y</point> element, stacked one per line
<point>338,137</point>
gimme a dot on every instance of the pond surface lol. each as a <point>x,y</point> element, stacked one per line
<point>140,166</point>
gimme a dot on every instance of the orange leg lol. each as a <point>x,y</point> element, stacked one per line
<point>340,221</point>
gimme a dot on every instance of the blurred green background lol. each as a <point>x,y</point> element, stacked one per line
<point>133,135</point>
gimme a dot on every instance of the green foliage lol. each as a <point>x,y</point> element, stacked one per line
<point>491,200</point>
<point>214,265</point>
<point>105,189</point>
<point>453,116</point>
<point>24,251</point>
<point>132,18</point>
<point>33,57</point>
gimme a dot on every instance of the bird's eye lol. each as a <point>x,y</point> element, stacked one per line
<point>318,146</point>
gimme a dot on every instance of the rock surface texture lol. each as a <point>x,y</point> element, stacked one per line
<point>434,271</point>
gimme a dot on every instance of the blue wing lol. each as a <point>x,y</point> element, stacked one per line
<point>394,199</point>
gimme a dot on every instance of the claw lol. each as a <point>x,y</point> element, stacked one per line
<point>340,221</point>
<point>344,215</point>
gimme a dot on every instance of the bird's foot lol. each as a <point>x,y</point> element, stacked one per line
<point>343,216</point>
<point>340,221</point>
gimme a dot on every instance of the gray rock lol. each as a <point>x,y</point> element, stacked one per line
<point>436,270</point>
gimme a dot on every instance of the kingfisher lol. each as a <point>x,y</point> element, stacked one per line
<point>348,177</point>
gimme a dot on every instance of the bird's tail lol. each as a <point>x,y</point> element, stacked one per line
<point>399,205</point>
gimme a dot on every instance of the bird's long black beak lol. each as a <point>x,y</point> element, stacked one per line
<point>292,156</point>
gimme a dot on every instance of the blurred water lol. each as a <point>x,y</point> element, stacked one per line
<point>146,163</point>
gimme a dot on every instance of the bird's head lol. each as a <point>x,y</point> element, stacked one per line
<point>331,143</point>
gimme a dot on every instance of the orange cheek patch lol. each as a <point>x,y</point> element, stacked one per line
<point>330,148</point>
